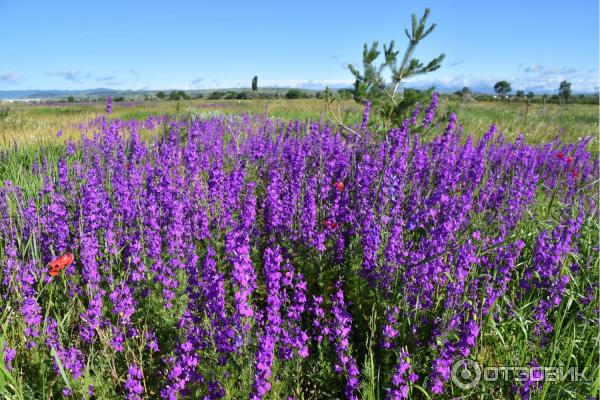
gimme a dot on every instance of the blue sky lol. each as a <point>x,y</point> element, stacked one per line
<point>200,44</point>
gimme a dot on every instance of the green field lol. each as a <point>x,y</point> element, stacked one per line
<point>26,123</point>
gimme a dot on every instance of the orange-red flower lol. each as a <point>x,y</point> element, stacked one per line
<point>575,173</point>
<point>329,223</point>
<point>560,156</point>
<point>569,159</point>
<point>60,263</point>
<point>339,186</point>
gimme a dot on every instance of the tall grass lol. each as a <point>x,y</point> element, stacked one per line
<point>538,122</point>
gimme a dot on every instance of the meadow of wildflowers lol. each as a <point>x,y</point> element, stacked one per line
<point>244,257</point>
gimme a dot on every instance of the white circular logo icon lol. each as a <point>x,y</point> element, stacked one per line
<point>466,374</point>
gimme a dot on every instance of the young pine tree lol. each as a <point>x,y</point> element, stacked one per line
<point>389,100</point>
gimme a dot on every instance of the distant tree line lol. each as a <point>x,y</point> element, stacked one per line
<point>535,98</point>
<point>410,96</point>
<point>174,95</point>
<point>291,94</point>
<point>564,96</point>
<point>177,95</point>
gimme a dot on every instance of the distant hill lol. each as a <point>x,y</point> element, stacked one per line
<point>54,94</point>
<point>103,92</point>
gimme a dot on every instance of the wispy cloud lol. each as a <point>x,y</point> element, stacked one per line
<point>10,78</point>
<point>541,69</point>
<point>198,83</point>
<point>534,68</point>
<point>542,82</point>
<point>109,80</point>
<point>136,75</point>
<point>70,75</point>
<point>456,63</point>
<point>559,70</point>
<point>105,78</point>
<point>319,84</point>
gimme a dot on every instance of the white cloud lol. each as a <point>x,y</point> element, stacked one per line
<point>534,68</point>
<point>549,70</point>
<point>10,78</point>
<point>289,83</point>
<point>545,82</point>
<point>70,75</point>
<point>319,84</point>
<point>535,77</point>
<point>559,70</point>
<point>197,82</point>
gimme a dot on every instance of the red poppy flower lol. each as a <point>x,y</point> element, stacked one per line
<point>569,159</point>
<point>560,156</point>
<point>575,173</point>
<point>60,263</point>
<point>330,224</point>
<point>339,186</point>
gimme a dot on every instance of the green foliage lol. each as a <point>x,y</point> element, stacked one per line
<point>251,95</point>
<point>345,94</point>
<point>387,98</point>
<point>255,83</point>
<point>161,95</point>
<point>4,113</point>
<point>295,94</point>
<point>464,94</point>
<point>230,95</point>
<point>520,94</point>
<point>215,95</point>
<point>71,99</point>
<point>564,91</point>
<point>178,95</point>
<point>502,88</point>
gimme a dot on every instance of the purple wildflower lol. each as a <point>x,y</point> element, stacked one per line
<point>366,113</point>
<point>9,356</point>
<point>430,110</point>
<point>133,385</point>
